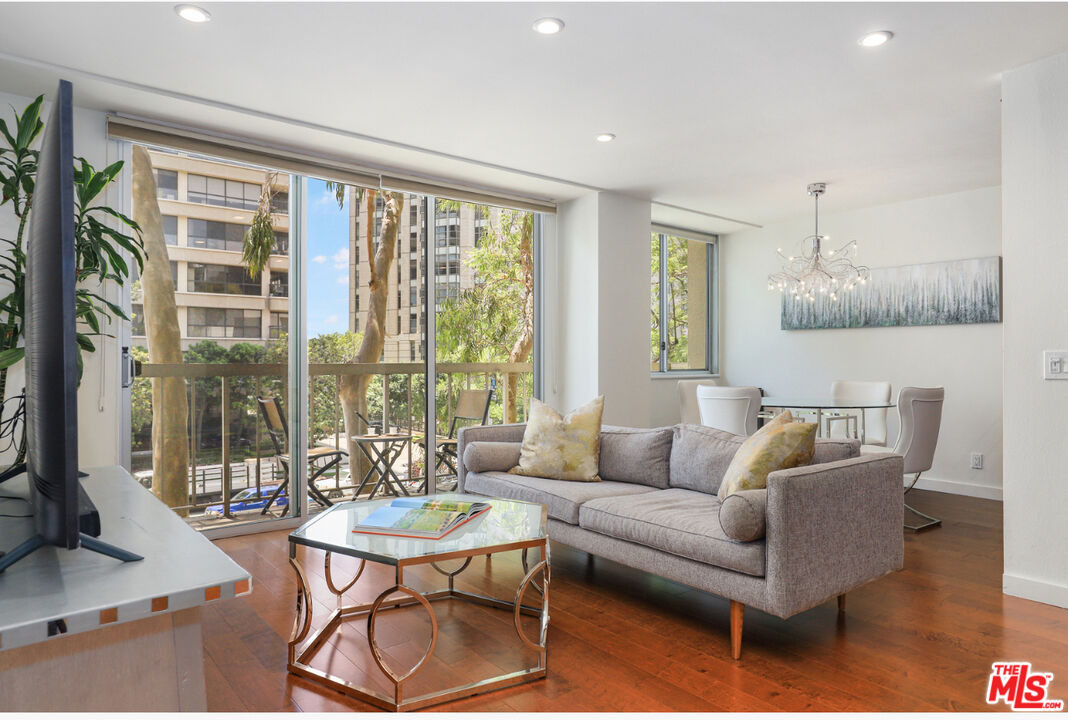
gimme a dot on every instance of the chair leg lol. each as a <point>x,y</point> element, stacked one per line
<point>931,521</point>
<point>841,603</point>
<point>737,615</point>
<point>274,496</point>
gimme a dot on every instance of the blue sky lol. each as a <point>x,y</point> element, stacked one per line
<point>328,261</point>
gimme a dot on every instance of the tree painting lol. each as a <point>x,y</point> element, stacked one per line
<point>944,293</point>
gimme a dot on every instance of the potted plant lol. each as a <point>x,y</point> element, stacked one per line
<point>99,247</point>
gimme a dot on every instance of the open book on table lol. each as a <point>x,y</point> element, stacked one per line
<point>420,518</point>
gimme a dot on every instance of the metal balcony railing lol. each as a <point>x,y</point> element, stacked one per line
<point>228,445</point>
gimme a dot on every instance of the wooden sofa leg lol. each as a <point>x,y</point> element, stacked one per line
<point>737,614</point>
<point>841,603</point>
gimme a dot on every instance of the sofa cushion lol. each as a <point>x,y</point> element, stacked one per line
<point>677,521</point>
<point>558,447</point>
<point>636,455</point>
<point>561,497</point>
<point>743,515</point>
<point>832,450</point>
<point>489,456</point>
<point>699,457</point>
<point>779,445</point>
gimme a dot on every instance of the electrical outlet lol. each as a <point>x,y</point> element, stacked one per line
<point>977,461</point>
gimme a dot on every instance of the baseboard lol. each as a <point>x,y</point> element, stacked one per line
<point>1037,590</point>
<point>956,487</point>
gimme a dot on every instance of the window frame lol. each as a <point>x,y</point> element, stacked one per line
<point>711,368</point>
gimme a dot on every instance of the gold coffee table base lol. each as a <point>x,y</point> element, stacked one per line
<point>299,659</point>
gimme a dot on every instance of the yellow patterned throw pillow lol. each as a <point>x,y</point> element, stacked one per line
<point>779,445</point>
<point>562,448</point>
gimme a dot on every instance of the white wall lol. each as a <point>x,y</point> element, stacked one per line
<point>599,280</point>
<point>966,359</point>
<point>1035,202</point>
<point>98,412</point>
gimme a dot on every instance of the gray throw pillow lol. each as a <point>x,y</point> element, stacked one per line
<point>743,515</point>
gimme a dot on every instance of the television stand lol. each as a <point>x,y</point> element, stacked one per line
<point>88,526</point>
<point>88,542</point>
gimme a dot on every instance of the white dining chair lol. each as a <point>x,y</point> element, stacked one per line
<point>732,409</point>
<point>872,422</point>
<point>920,410</point>
<point>687,390</point>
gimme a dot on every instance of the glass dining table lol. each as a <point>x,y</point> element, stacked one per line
<point>823,405</point>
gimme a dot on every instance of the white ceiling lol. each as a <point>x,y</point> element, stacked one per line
<point>726,108</point>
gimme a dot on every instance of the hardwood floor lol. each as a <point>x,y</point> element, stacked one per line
<point>922,639</point>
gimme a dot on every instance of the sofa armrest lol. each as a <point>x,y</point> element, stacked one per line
<point>831,528</point>
<point>484,433</point>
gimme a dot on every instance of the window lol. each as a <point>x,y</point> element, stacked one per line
<point>226,193</point>
<point>279,324</point>
<point>413,270</point>
<point>226,279</point>
<point>413,323</point>
<point>279,202</point>
<point>279,283</point>
<point>413,295</point>
<point>137,320</point>
<point>681,309</point>
<point>166,184</point>
<point>223,323</point>
<point>170,229</point>
<point>281,242</point>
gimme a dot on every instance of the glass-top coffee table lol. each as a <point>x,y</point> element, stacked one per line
<point>509,525</point>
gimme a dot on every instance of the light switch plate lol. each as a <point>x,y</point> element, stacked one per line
<point>1055,365</point>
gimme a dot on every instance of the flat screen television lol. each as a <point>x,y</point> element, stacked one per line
<point>63,515</point>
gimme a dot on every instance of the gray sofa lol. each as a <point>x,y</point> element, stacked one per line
<point>815,533</point>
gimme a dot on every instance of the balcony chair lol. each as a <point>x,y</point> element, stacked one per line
<point>732,409</point>
<point>920,410</point>
<point>471,405</point>
<point>320,459</point>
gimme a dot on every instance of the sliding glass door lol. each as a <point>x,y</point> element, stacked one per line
<point>286,327</point>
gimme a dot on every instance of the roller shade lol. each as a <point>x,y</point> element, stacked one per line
<point>465,194</point>
<point>299,163</point>
<point>683,232</point>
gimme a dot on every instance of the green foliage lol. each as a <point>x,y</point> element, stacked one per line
<point>677,331</point>
<point>98,245</point>
<point>484,322</point>
<point>259,238</point>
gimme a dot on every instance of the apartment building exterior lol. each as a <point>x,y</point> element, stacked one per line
<point>455,231</point>
<point>206,207</point>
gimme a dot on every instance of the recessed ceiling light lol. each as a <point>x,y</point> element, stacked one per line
<point>606,137</point>
<point>548,25</point>
<point>192,13</point>
<point>875,39</point>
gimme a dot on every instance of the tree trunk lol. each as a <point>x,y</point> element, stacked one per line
<point>353,388</point>
<point>525,343</point>
<point>170,410</point>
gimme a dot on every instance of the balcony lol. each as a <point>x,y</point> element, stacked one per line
<point>230,449</point>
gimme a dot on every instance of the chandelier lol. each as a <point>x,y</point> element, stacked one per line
<point>817,272</point>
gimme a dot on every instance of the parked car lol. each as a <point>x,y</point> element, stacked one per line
<point>248,499</point>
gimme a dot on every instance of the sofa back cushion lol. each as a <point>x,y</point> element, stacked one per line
<point>636,455</point>
<point>832,450</point>
<point>699,457</point>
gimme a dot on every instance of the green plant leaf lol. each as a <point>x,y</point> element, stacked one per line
<point>10,357</point>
